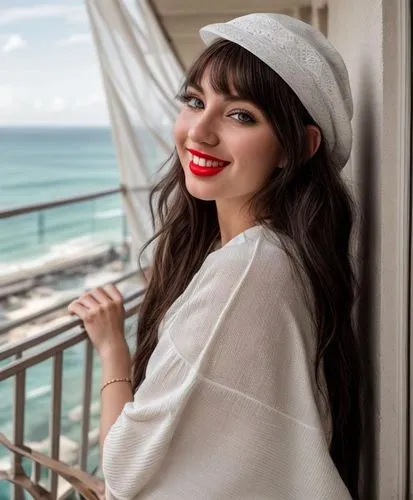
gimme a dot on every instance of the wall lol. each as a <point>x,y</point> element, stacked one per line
<point>369,34</point>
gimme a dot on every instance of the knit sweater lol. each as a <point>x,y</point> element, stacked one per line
<point>229,408</point>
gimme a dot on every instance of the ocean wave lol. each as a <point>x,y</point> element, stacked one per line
<point>38,392</point>
<point>34,184</point>
<point>109,214</point>
<point>58,251</point>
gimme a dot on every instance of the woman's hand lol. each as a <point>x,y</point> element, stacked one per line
<point>103,316</point>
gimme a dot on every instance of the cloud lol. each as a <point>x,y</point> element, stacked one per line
<point>6,97</point>
<point>70,13</point>
<point>38,104</point>
<point>58,104</point>
<point>91,100</point>
<point>76,39</point>
<point>14,42</point>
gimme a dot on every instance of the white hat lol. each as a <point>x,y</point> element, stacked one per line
<point>307,62</point>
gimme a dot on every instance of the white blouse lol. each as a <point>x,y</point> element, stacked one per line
<point>229,408</point>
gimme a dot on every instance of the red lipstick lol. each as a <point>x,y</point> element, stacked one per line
<point>205,171</point>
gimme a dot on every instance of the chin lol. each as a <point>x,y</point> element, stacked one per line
<point>199,195</point>
<point>200,192</point>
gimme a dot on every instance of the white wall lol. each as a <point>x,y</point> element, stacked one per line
<point>369,34</point>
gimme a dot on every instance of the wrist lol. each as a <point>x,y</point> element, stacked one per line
<point>124,380</point>
<point>115,362</point>
<point>114,352</point>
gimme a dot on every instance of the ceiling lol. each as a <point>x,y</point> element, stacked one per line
<point>182,19</point>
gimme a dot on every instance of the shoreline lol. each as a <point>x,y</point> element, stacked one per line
<point>59,262</point>
<point>63,284</point>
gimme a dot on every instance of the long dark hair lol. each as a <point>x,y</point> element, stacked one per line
<point>309,207</point>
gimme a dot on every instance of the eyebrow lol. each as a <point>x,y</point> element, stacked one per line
<point>227,97</point>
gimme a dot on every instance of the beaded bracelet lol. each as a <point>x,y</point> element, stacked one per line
<point>124,379</point>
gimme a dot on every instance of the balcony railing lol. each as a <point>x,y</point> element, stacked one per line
<point>33,225</point>
<point>51,344</point>
<point>16,370</point>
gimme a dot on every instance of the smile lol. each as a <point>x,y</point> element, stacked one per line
<point>204,160</point>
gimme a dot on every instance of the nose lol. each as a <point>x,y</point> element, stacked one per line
<point>202,131</point>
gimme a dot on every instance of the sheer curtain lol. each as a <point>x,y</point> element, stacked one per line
<point>141,77</point>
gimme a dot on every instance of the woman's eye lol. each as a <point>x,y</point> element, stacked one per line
<point>243,117</point>
<point>194,102</point>
<point>190,100</point>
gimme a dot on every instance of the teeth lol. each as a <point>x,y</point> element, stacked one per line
<point>206,163</point>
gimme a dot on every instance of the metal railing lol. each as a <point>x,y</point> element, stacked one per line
<point>36,339</point>
<point>20,279</point>
<point>17,368</point>
<point>63,337</point>
<point>41,209</point>
<point>4,214</point>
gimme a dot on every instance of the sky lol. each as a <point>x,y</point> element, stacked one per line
<point>49,71</point>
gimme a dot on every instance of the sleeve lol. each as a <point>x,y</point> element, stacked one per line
<point>231,355</point>
<point>136,444</point>
<point>138,441</point>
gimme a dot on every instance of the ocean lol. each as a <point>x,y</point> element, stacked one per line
<point>37,165</point>
<point>45,164</point>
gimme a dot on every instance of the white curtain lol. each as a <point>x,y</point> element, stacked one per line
<point>141,76</point>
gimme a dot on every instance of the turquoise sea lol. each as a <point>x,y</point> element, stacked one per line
<point>44,164</point>
<point>39,165</point>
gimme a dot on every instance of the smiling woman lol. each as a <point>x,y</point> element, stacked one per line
<point>246,376</point>
<point>216,123</point>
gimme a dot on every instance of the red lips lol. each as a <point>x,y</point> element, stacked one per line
<point>206,156</point>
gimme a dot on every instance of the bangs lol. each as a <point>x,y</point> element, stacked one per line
<point>232,69</point>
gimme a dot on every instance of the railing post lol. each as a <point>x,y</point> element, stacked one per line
<point>56,410</point>
<point>40,229</point>
<point>16,369</point>
<point>86,400</point>
<point>18,424</point>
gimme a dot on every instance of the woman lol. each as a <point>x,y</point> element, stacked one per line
<point>245,380</point>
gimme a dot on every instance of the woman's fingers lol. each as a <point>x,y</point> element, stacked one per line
<point>100,295</point>
<point>86,303</point>
<point>77,308</point>
<point>89,301</point>
<point>103,316</point>
<point>97,297</point>
<point>109,293</point>
<point>114,293</point>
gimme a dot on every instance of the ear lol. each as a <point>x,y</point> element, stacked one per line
<point>313,140</point>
